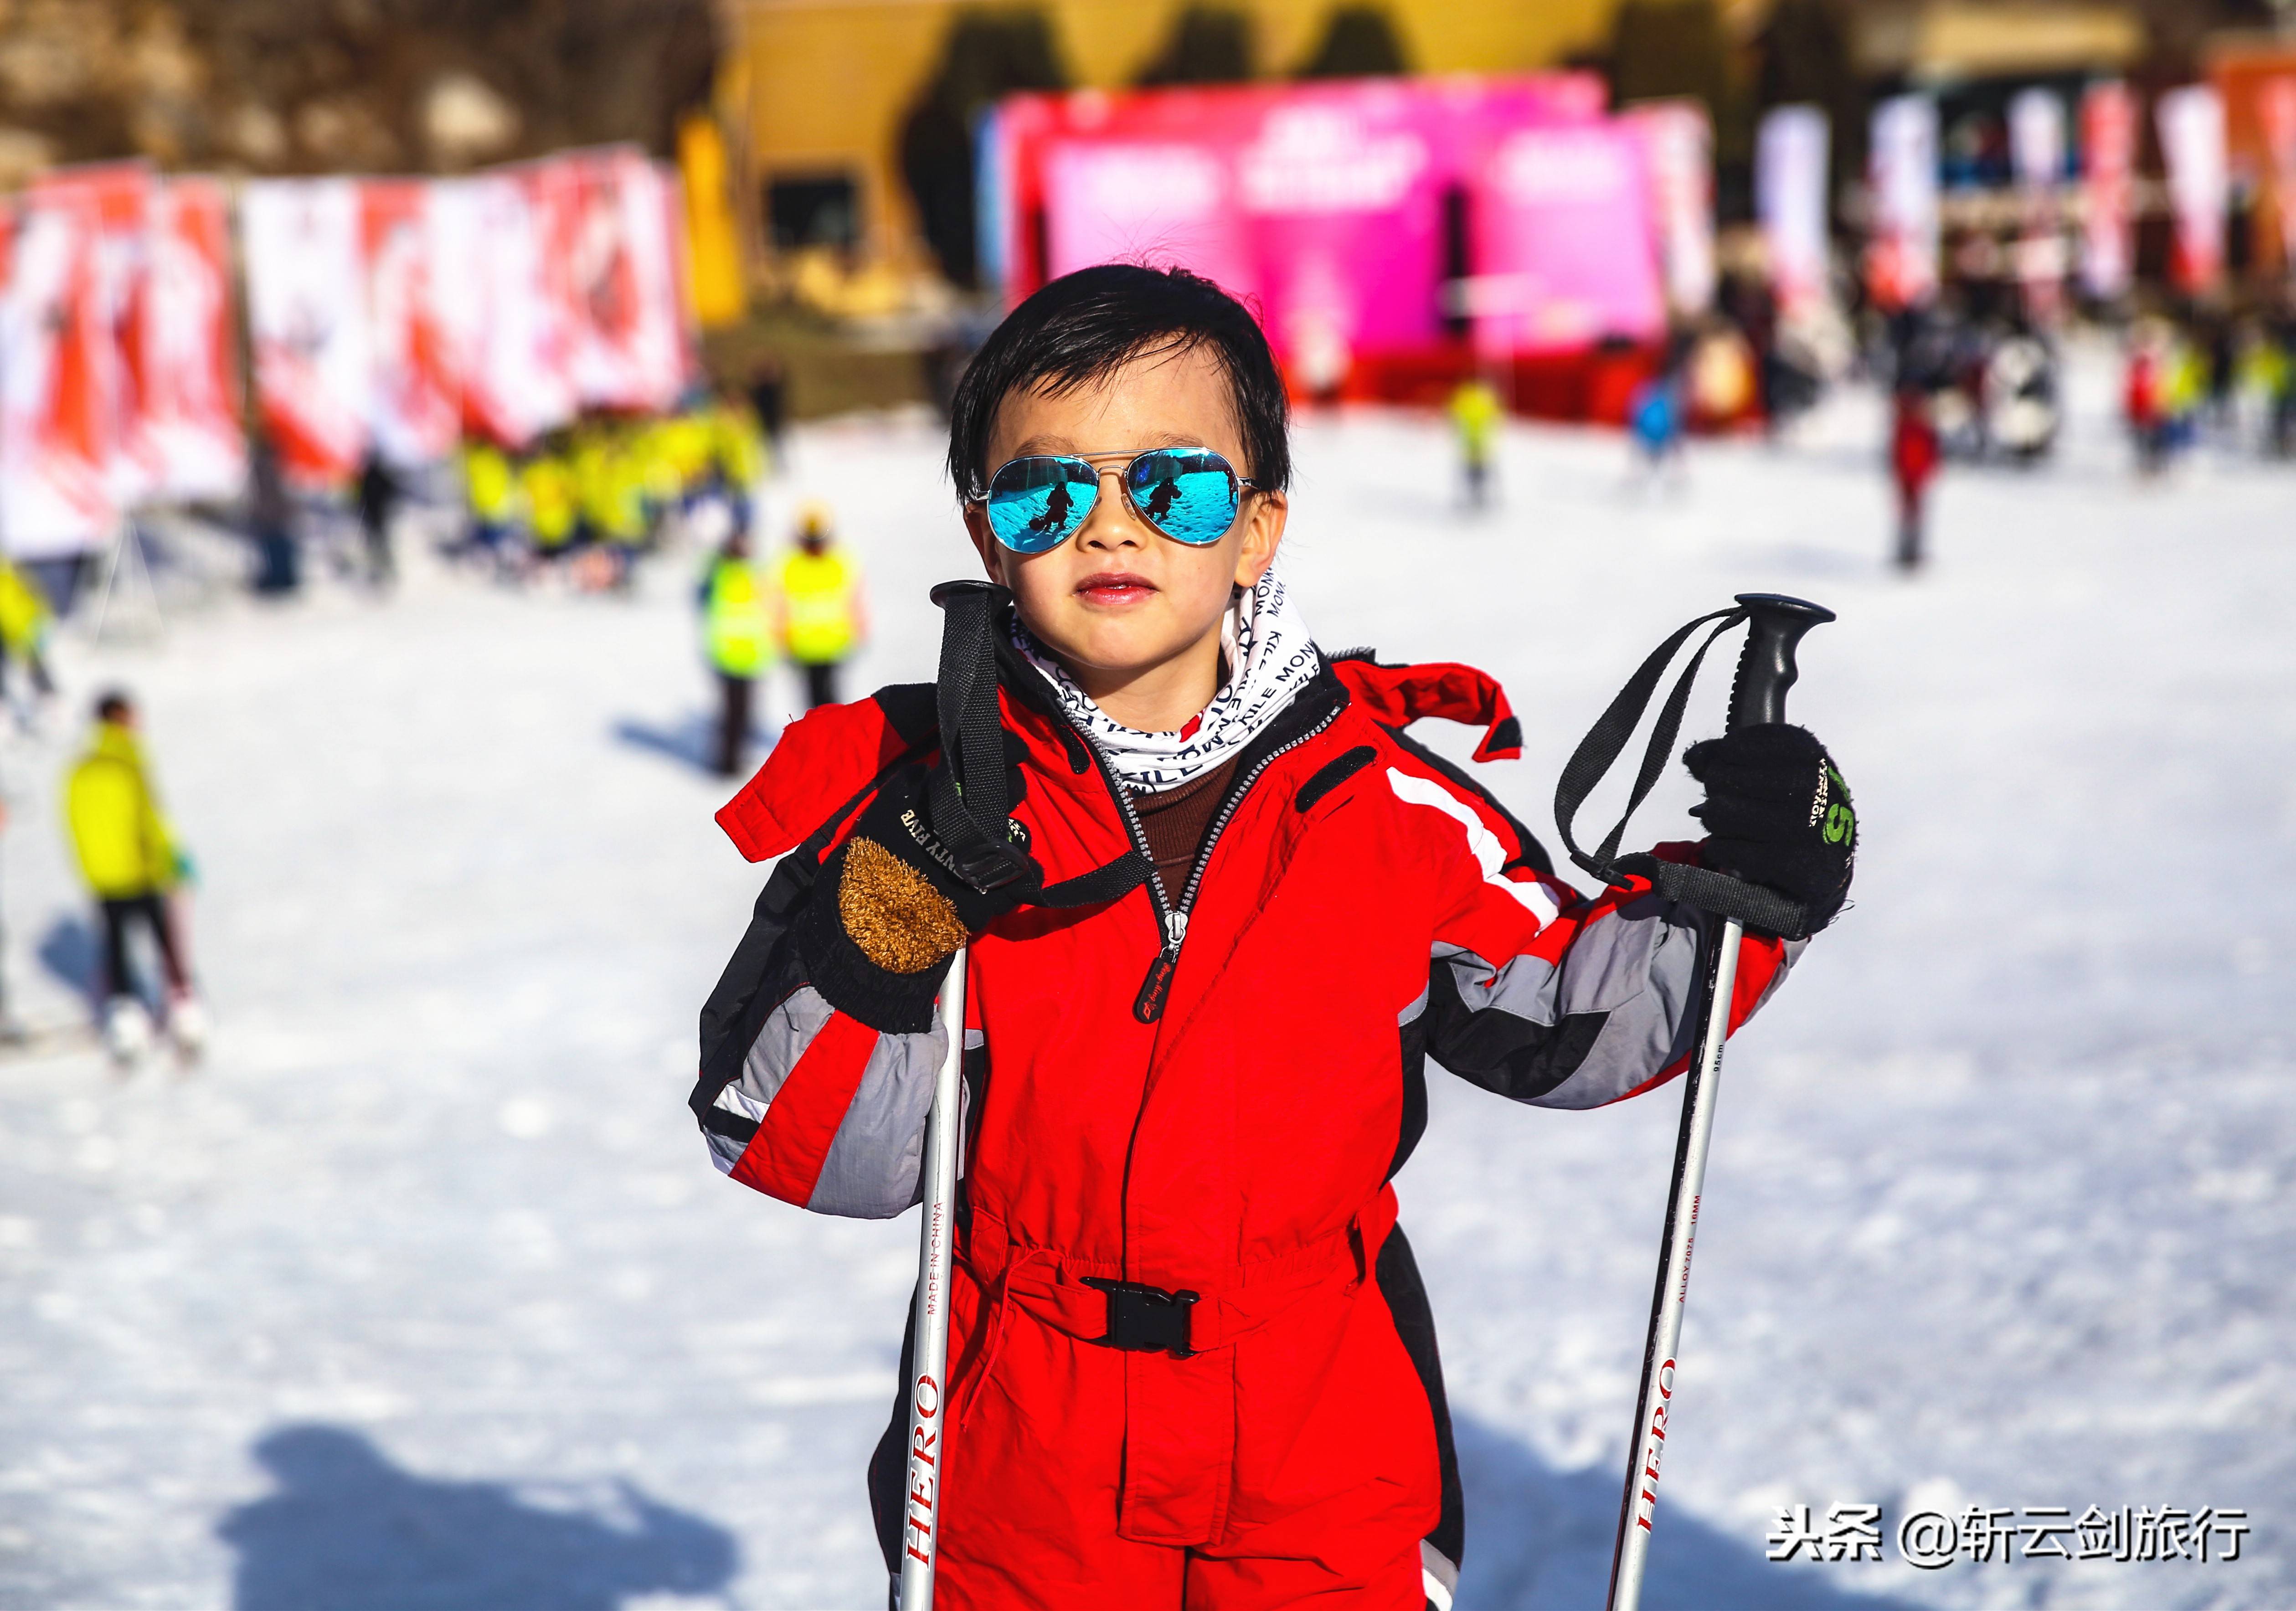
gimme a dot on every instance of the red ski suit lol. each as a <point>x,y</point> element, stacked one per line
<point>1214,1099</point>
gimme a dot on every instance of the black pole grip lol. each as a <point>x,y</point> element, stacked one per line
<point>1766,665</point>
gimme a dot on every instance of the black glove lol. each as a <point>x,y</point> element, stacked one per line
<point>1777,814</point>
<point>895,903</point>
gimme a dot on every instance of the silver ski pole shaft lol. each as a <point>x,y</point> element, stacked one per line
<point>1651,1404</point>
<point>928,1470</point>
<point>1766,671</point>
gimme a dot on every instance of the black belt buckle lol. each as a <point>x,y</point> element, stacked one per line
<point>1146,1319</point>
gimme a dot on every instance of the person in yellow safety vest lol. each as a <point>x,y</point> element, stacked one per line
<point>548,485</point>
<point>490,489</point>
<point>1475,412</point>
<point>689,443</point>
<point>24,622</point>
<point>819,614</point>
<point>737,454</point>
<point>129,855</point>
<point>737,637</point>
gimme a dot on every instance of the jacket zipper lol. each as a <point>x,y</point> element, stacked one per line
<point>1148,1005</point>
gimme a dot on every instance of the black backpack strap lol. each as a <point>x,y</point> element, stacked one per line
<point>969,796</point>
<point>1751,904</point>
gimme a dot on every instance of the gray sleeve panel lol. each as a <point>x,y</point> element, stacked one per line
<point>1523,989</point>
<point>1653,1029</point>
<point>876,1165</point>
<point>787,1033</point>
<point>725,1151</point>
<point>779,1045</point>
<point>1639,969</point>
<point>1619,1008</point>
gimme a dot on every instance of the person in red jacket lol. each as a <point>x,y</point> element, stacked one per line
<point>1914,455</point>
<point>1232,911</point>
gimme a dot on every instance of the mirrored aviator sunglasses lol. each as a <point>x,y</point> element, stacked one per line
<point>1189,494</point>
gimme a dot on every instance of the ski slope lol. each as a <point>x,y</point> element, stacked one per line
<point>422,1293</point>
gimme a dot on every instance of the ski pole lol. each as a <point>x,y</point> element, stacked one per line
<point>1758,697</point>
<point>928,1399</point>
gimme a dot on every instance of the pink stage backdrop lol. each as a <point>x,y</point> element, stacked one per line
<point>1331,207</point>
<point>1563,241</point>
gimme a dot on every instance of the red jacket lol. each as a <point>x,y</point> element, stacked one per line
<point>1212,1099</point>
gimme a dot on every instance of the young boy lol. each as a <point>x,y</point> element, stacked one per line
<point>1204,1084</point>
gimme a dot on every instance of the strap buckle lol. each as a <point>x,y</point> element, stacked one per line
<point>1145,1319</point>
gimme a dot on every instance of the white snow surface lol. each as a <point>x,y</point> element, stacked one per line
<point>2004,1180</point>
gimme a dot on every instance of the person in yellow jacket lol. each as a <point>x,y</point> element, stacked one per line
<point>819,614</point>
<point>490,487</point>
<point>547,482</point>
<point>737,638</point>
<point>24,623</point>
<point>129,855</point>
<point>1475,414</point>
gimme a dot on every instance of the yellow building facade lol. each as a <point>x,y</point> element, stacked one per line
<point>817,90</point>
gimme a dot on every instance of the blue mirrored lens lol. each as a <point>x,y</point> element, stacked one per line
<point>1188,496</point>
<point>1034,504</point>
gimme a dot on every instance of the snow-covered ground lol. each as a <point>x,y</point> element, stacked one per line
<point>422,1293</point>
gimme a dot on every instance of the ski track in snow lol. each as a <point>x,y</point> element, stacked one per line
<point>422,1289</point>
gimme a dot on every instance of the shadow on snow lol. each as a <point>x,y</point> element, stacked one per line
<point>1540,1539</point>
<point>692,742</point>
<point>349,1531</point>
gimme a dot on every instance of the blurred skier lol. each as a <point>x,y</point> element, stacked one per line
<point>736,635</point>
<point>1654,423</point>
<point>25,621</point>
<point>2143,402</point>
<point>2020,397</point>
<point>271,522</point>
<point>379,495</point>
<point>132,865</point>
<point>818,612</point>
<point>491,491</point>
<point>547,485</point>
<point>1913,454</point>
<point>1475,414</point>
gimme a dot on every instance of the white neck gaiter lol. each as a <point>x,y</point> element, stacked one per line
<point>1269,658</point>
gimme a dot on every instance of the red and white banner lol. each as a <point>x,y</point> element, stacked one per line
<point>1790,163</point>
<point>1901,266</point>
<point>119,196</point>
<point>306,313</point>
<point>55,428</point>
<point>2037,156</point>
<point>418,364</point>
<point>2108,122</point>
<point>519,385</point>
<point>2275,112</point>
<point>647,332</point>
<point>1678,164</point>
<point>2192,124</point>
<point>188,426</point>
<point>612,320</point>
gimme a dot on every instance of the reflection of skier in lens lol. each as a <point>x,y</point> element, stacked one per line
<point>1055,517</point>
<point>133,866</point>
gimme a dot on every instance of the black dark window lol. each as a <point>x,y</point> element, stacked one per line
<point>814,209</point>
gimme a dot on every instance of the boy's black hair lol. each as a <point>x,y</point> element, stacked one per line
<point>113,703</point>
<point>1085,326</point>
